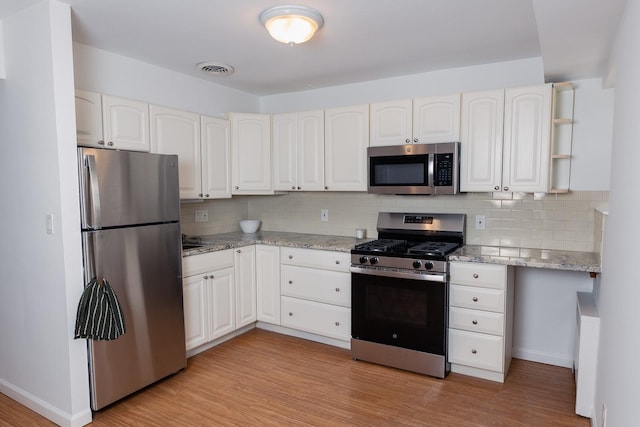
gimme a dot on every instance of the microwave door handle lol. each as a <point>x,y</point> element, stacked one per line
<point>430,170</point>
<point>94,192</point>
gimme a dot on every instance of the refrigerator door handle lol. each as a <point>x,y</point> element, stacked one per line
<point>94,193</point>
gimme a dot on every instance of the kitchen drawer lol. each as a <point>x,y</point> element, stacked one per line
<point>330,287</point>
<point>322,319</point>
<point>313,258</point>
<point>210,261</point>
<point>476,321</point>
<point>476,298</point>
<point>476,350</point>
<point>478,274</point>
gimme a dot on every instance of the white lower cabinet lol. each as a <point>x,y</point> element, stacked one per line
<point>245,270</point>
<point>315,288</point>
<point>268,284</point>
<point>480,319</point>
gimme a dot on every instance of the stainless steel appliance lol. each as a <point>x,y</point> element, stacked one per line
<point>130,211</point>
<point>399,291</point>
<point>414,169</point>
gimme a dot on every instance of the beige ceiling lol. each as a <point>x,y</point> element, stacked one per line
<point>361,39</point>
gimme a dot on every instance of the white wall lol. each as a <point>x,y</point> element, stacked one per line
<point>41,365</point>
<point>618,377</point>
<point>105,72</point>
<point>443,82</point>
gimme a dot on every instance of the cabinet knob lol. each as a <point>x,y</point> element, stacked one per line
<point>475,322</point>
<point>474,351</point>
<point>237,187</point>
<point>110,143</point>
<point>337,289</point>
<point>101,142</point>
<point>506,188</point>
<point>337,323</point>
<point>205,277</point>
<point>206,195</point>
<point>415,139</point>
<point>475,275</point>
<point>326,187</point>
<point>291,313</point>
<point>290,256</point>
<point>475,299</point>
<point>407,140</point>
<point>299,188</point>
<point>239,251</point>
<point>337,261</point>
<point>200,195</point>
<point>291,282</point>
<point>293,187</point>
<point>496,188</point>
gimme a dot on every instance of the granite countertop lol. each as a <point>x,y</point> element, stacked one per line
<point>522,257</point>
<point>218,242</point>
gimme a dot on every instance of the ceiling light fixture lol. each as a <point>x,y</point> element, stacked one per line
<point>291,24</point>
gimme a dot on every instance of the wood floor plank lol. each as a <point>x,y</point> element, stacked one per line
<point>267,379</point>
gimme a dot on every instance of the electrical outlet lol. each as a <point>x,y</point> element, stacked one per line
<point>324,214</point>
<point>202,215</point>
<point>480,220</point>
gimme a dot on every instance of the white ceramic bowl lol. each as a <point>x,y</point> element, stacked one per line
<point>249,225</point>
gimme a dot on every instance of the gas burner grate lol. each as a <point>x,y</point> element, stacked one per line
<point>381,245</point>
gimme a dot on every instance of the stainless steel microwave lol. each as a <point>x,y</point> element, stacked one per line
<point>414,168</point>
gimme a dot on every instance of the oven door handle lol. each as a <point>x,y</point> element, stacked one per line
<point>399,274</point>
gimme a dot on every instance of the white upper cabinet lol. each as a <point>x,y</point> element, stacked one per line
<point>89,119</point>
<point>417,121</point>
<point>346,133</point>
<point>505,140</point>
<point>125,124</point>
<point>251,153</point>
<point>527,133</point>
<point>298,151</point>
<point>178,132</point>
<point>216,158</point>
<point>436,119</point>
<point>481,137</point>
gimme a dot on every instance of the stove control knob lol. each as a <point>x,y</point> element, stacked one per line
<point>374,260</point>
<point>428,265</point>
<point>364,259</point>
<point>417,264</point>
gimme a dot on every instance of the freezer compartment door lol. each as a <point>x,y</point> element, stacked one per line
<point>120,188</point>
<point>143,266</point>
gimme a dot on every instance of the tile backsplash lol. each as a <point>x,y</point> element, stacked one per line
<point>542,221</point>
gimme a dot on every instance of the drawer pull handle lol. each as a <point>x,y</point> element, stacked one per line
<point>291,313</point>
<point>337,289</point>
<point>475,299</point>
<point>475,275</point>
<point>474,351</point>
<point>475,322</point>
<point>337,323</point>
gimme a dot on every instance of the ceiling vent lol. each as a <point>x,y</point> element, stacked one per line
<point>215,68</point>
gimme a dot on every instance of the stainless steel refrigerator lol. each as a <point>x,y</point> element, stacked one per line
<point>130,212</point>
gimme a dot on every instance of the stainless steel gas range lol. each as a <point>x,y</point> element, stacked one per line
<point>399,291</point>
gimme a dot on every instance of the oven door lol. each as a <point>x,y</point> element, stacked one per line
<point>407,310</point>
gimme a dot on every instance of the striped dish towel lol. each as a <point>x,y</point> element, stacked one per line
<point>99,314</point>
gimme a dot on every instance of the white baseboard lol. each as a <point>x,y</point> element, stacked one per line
<point>536,356</point>
<point>305,335</point>
<point>45,409</point>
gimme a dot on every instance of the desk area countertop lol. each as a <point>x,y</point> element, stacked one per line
<point>524,257</point>
<point>520,257</point>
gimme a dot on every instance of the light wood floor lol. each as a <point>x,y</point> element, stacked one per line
<point>267,379</point>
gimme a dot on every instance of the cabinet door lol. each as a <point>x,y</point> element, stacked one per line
<point>216,158</point>
<point>482,125</point>
<point>251,153</point>
<point>391,123</point>
<point>195,310</point>
<point>178,132</point>
<point>527,133</point>
<point>285,151</point>
<point>221,300</point>
<point>125,124</point>
<point>310,151</point>
<point>245,267</point>
<point>89,119</point>
<point>268,283</point>
<point>436,119</point>
<point>346,139</point>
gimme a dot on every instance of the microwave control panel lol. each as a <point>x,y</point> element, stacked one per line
<point>443,170</point>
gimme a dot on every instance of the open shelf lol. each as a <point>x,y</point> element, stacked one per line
<point>561,137</point>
